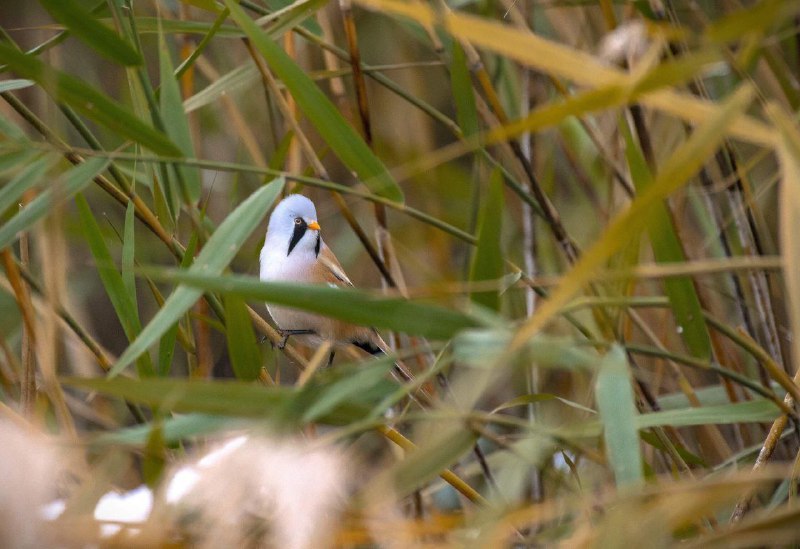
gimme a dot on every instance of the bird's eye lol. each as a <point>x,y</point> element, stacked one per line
<point>298,221</point>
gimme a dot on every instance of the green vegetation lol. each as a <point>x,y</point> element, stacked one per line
<point>583,215</point>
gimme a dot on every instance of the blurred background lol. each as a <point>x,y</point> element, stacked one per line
<point>592,187</point>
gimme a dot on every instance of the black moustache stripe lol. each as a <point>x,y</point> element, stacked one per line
<point>299,231</point>
<point>317,245</point>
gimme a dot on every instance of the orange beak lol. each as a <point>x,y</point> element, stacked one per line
<point>313,225</point>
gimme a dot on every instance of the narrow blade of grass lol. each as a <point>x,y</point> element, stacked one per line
<point>356,306</point>
<point>212,259</point>
<point>320,111</point>
<point>667,249</point>
<point>754,411</point>
<point>15,84</point>
<point>242,346</point>
<point>466,111</point>
<point>112,280</point>
<point>177,124</point>
<point>487,258</point>
<point>70,183</point>
<point>82,24</point>
<point>281,406</point>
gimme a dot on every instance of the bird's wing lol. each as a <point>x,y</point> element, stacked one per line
<point>333,272</point>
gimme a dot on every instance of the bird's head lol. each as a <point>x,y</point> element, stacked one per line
<point>293,225</point>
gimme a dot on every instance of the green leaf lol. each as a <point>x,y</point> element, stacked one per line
<point>466,111</point>
<point>356,306</point>
<point>691,459</point>
<point>320,111</point>
<point>15,84</point>
<point>711,395</point>
<point>617,407</point>
<point>754,411</point>
<point>481,348</point>
<point>227,398</point>
<point>242,346</point>
<point>82,24</point>
<point>212,259</point>
<point>155,454</point>
<point>426,462</point>
<point>112,281</point>
<point>487,259</point>
<point>667,249</point>
<point>70,183</point>
<point>31,174</point>
<point>241,76</point>
<point>177,125</point>
<point>15,158</point>
<point>279,405</point>
<point>87,100</point>
<point>352,383</point>
<point>175,429</point>
<point>166,346</point>
<point>166,350</point>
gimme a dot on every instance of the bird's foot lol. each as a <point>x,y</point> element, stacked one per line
<point>286,334</point>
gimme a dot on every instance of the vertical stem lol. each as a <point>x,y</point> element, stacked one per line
<point>28,394</point>
<point>529,255</point>
<point>28,389</point>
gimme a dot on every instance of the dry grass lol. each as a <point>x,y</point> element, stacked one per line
<point>580,214</point>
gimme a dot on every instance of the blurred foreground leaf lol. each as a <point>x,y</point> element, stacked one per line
<point>84,26</point>
<point>66,186</point>
<point>282,406</point>
<point>357,306</point>
<point>617,407</point>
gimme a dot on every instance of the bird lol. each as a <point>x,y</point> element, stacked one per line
<point>295,252</point>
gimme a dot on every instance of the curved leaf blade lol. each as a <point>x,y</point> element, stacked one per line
<point>212,259</point>
<point>242,346</point>
<point>667,249</point>
<point>487,260</point>
<point>89,30</point>
<point>356,306</point>
<point>70,183</point>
